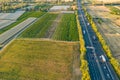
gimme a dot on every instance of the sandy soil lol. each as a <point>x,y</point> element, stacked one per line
<point>103,12</point>
<point>111,34</point>
<point>101,1</point>
<point>76,65</point>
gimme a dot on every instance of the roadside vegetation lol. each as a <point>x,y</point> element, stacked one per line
<point>35,59</point>
<point>39,28</point>
<point>113,61</point>
<point>114,10</point>
<point>67,29</point>
<point>9,6</point>
<point>42,7</point>
<point>83,62</point>
<point>21,19</point>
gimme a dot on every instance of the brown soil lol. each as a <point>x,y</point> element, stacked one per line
<point>52,28</point>
<point>76,64</point>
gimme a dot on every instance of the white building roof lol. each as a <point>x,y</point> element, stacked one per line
<point>59,8</point>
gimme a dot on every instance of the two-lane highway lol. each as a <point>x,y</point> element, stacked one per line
<point>99,65</point>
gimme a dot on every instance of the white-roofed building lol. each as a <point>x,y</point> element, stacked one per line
<point>59,8</point>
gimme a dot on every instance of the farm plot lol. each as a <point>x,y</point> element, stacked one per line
<point>117,7</point>
<point>11,16</point>
<point>6,36</point>
<point>102,1</point>
<point>111,34</point>
<point>103,12</point>
<point>113,42</point>
<point>52,27</point>
<point>67,28</point>
<point>36,14</point>
<point>108,28</point>
<point>36,59</point>
<point>39,29</point>
<point>26,15</point>
<point>109,1</point>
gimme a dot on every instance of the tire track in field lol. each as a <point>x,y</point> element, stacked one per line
<point>54,25</point>
<point>76,74</point>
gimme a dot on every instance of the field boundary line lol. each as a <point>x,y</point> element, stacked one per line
<point>44,39</point>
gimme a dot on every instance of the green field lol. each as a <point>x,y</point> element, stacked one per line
<point>22,18</point>
<point>38,29</point>
<point>67,28</point>
<point>114,10</point>
<point>35,59</point>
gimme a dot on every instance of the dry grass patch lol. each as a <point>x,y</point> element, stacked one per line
<point>34,59</point>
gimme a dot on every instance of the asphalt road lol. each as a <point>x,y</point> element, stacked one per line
<point>99,70</point>
<point>13,32</point>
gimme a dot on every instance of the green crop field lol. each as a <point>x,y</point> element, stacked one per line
<point>22,18</point>
<point>114,10</point>
<point>35,59</point>
<point>28,14</point>
<point>38,29</point>
<point>67,29</point>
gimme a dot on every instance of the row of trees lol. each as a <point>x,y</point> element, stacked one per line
<point>7,6</point>
<point>106,48</point>
<point>83,62</point>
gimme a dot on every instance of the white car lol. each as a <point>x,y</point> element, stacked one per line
<point>84,31</point>
<point>88,24</point>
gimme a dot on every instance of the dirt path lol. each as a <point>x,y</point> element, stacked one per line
<point>52,28</point>
<point>76,74</point>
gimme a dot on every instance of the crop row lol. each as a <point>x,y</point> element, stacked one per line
<point>67,28</point>
<point>38,29</point>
